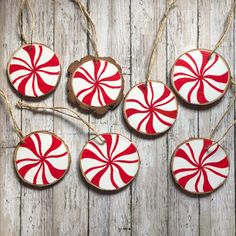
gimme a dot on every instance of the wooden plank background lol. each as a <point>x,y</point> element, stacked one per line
<point>152,204</point>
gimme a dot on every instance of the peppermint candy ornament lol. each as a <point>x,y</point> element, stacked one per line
<point>41,159</point>
<point>200,78</point>
<point>34,70</point>
<point>95,84</point>
<point>198,166</point>
<point>150,108</point>
<point>112,165</point>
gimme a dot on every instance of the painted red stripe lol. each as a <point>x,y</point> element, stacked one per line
<point>184,74</point>
<point>93,168</point>
<point>215,172</point>
<point>48,72</point>
<point>115,145</point>
<point>129,150</point>
<point>79,75</point>
<point>91,155</point>
<point>180,153</point>
<point>206,184</point>
<point>192,153</point>
<point>126,161</point>
<point>98,149</point>
<point>57,156</point>
<point>39,56</point>
<point>21,77</point>
<point>184,180</point>
<point>219,164</point>
<point>194,62</point>
<point>210,154</point>
<point>182,81</point>
<point>114,77</point>
<point>14,67</point>
<point>96,179</point>
<point>184,64</point>
<point>124,176</point>
<point>37,173</point>
<point>132,111</point>
<point>26,159</point>
<point>213,63</point>
<point>103,70</point>
<point>184,170</point>
<point>191,91</point>
<point>163,121</point>
<point>23,170</point>
<point>164,103</point>
<point>112,178</point>
<point>56,173</point>
<point>22,60</point>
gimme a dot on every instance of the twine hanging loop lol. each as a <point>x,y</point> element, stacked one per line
<point>228,24</point>
<point>232,102</point>
<point>158,38</point>
<point>24,5</point>
<point>90,26</point>
<point>61,110</point>
<point>15,125</point>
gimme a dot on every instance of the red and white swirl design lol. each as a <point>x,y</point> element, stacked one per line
<point>198,169</point>
<point>34,70</point>
<point>199,79</point>
<point>150,109</point>
<point>42,159</point>
<point>97,83</point>
<point>112,165</point>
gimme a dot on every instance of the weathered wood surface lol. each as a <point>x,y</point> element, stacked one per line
<point>152,204</point>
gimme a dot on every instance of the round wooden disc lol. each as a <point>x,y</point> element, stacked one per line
<point>96,83</point>
<point>200,79</point>
<point>150,108</point>
<point>112,165</point>
<point>41,159</point>
<point>34,70</point>
<point>198,167</point>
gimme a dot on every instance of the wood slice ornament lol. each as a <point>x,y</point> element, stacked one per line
<point>197,169</point>
<point>41,159</point>
<point>95,84</point>
<point>112,165</point>
<point>34,70</point>
<point>200,165</point>
<point>150,109</point>
<point>200,77</point>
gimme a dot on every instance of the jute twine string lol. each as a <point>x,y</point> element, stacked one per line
<point>24,5</point>
<point>228,23</point>
<point>15,125</point>
<point>219,122</point>
<point>158,38</point>
<point>90,26</point>
<point>61,110</point>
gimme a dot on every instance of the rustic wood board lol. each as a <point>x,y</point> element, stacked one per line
<point>152,204</point>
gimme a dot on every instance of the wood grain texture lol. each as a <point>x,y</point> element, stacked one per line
<point>152,204</point>
<point>183,210</point>
<point>212,208</point>
<point>149,197</point>
<point>10,188</point>
<point>37,206</point>
<point>113,25</point>
<point>70,207</point>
